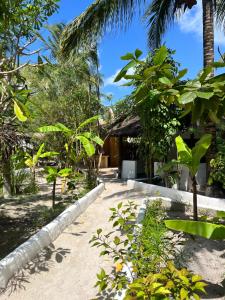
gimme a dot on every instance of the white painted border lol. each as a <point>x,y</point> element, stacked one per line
<point>17,259</point>
<point>177,196</point>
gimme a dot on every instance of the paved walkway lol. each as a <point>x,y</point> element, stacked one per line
<point>67,271</point>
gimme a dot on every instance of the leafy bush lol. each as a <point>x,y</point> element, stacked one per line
<point>217,174</point>
<point>141,256</point>
<point>151,245</point>
<point>170,283</point>
<point>24,182</point>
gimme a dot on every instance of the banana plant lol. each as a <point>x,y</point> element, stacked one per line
<point>87,139</point>
<point>32,160</point>
<point>52,174</point>
<point>191,159</point>
<point>204,229</point>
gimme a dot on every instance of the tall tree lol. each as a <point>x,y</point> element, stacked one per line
<point>103,15</point>
<point>19,22</point>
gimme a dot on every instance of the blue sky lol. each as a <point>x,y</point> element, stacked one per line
<point>185,37</point>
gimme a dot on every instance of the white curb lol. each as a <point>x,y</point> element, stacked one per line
<point>177,196</point>
<point>17,259</point>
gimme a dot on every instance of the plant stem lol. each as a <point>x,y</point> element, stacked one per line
<point>53,194</point>
<point>195,206</point>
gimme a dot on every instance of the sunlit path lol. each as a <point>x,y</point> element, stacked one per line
<point>68,270</point>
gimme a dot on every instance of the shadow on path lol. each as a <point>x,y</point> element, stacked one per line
<point>41,263</point>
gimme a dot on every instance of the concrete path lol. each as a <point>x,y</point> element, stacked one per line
<point>67,271</point>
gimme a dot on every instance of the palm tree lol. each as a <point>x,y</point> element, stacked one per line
<point>104,15</point>
<point>160,14</point>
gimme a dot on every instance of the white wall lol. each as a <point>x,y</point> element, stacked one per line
<point>177,196</point>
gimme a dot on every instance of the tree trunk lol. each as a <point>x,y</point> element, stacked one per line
<point>53,194</point>
<point>208,52</point>
<point>208,32</point>
<point>195,204</point>
<point>7,179</point>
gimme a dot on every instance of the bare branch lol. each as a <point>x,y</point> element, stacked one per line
<point>27,44</point>
<point>31,53</point>
<point>14,70</point>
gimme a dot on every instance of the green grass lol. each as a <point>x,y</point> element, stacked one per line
<point>152,244</point>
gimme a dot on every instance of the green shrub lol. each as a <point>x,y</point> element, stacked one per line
<point>141,256</point>
<point>170,283</point>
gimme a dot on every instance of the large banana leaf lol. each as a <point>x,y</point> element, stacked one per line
<point>203,229</point>
<point>183,151</point>
<point>49,154</point>
<point>191,158</point>
<point>19,112</point>
<point>88,121</point>
<point>200,150</point>
<point>59,127</point>
<point>88,146</point>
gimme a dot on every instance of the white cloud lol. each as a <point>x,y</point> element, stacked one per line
<point>109,81</point>
<point>191,22</point>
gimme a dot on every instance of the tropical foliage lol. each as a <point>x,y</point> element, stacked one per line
<point>142,257</point>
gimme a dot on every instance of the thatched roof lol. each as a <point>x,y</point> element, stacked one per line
<point>128,126</point>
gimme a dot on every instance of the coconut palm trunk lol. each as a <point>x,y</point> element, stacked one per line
<point>208,32</point>
<point>208,59</point>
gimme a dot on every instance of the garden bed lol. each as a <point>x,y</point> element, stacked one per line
<point>149,250</point>
<point>22,216</point>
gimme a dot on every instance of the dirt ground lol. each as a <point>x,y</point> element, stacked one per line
<point>23,215</point>
<point>67,270</point>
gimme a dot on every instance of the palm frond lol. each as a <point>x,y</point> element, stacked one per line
<point>101,16</point>
<point>220,13</point>
<point>159,15</point>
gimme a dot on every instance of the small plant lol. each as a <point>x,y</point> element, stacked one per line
<point>32,160</point>
<point>141,257</point>
<point>52,175</point>
<point>217,174</point>
<point>191,159</point>
<point>169,283</point>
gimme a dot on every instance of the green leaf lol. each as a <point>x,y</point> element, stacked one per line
<point>138,53</point>
<point>182,73</point>
<point>183,294</point>
<point>87,145</point>
<point>203,229</point>
<point>97,140</point>
<point>196,278</point>
<point>36,157</point>
<point>65,172</point>
<point>184,152</point>
<point>116,240</point>
<point>40,60</point>
<point>50,170</point>
<point>128,56</point>
<point>160,55</point>
<point>204,95</point>
<point>63,128</point>
<point>99,231</point>
<point>166,81</point>
<point>213,117</point>
<point>218,64</point>
<point>49,154</point>
<point>18,112</point>
<point>200,286</point>
<point>200,150</point>
<point>88,121</point>
<point>58,127</point>
<point>196,297</point>
<point>29,162</point>
<point>124,70</point>
<point>205,73</point>
<point>187,97</point>
<point>220,214</point>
